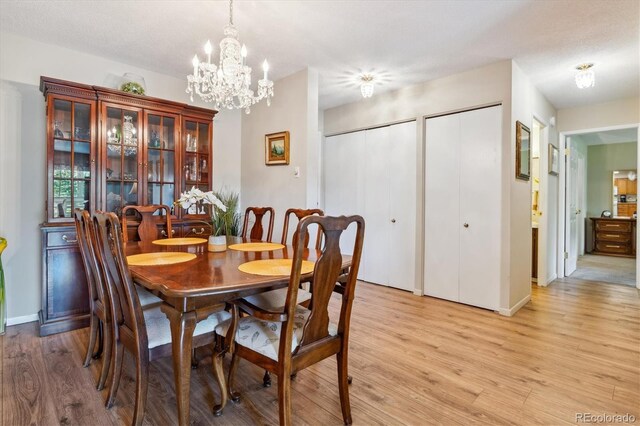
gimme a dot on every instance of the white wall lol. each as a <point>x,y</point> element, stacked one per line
<point>621,112</point>
<point>22,62</point>
<point>294,108</point>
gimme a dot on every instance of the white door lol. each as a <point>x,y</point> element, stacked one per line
<point>442,207</point>
<point>571,241</point>
<point>581,202</point>
<point>376,190</point>
<point>480,213</point>
<point>401,158</point>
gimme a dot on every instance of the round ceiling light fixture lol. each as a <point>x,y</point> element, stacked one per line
<point>585,76</point>
<point>366,85</point>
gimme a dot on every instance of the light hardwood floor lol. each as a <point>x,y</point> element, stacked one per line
<point>415,360</point>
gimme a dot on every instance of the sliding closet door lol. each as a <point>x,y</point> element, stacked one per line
<point>480,208</point>
<point>442,207</point>
<point>376,178</point>
<point>401,156</point>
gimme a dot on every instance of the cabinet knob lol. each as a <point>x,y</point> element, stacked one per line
<point>69,240</point>
<point>393,221</point>
<point>193,230</point>
<point>466,225</point>
<point>164,233</point>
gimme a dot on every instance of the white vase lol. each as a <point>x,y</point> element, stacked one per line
<point>217,243</point>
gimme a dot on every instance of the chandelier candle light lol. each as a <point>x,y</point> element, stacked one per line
<point>228,85</point>
<point>585,76</point>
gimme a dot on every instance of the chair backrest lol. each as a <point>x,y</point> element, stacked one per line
<point>126,310</point>
<point>328,268</point>
<point>82,220</point>
<point>299,214</point>
<point>257,231</point>
<point>147,230</point>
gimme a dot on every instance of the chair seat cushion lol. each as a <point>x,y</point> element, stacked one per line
<point>274,300</point>
<point>146,297</point>
<point>159,329</point>
<point>264,336</point>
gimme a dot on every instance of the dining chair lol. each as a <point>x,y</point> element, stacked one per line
<point>144,333</point>
<point>99,311</point>
<point>148,230</point>
<point>257,231</point>
<point>302,336</point>
<point>299,214</point>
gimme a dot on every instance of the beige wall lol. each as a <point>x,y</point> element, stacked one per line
<point>22,137</point>
<point>294,108</point>
<point>596,116</point>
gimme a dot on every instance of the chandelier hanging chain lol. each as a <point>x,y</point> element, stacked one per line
<point>228,84</point>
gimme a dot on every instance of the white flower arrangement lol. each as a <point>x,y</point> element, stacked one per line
<point>197,198</point>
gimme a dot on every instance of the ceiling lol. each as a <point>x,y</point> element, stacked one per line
<point>401,42</point>
<point>609,136</point>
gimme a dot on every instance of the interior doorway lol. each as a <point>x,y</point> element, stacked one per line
<point>600,206</point>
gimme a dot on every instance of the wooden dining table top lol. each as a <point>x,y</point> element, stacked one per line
<point>211,273</point>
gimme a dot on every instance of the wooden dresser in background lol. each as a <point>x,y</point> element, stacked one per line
<point>614,236</point>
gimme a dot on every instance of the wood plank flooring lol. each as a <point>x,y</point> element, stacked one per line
<point>415,360</point>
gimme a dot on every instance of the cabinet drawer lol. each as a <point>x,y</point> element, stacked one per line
<point>610,247</point>
<point>613,225</point>
<point>60,239</point>
<point>616,237</point>
<point>176,231</point>
<point>196,230</point>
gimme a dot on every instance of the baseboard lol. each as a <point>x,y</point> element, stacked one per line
<point>515,308</point>
<point>22,319</point>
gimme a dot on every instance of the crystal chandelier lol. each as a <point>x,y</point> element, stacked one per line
<point>228,85</point>
<point>366,85</point>
<point>585,77</point>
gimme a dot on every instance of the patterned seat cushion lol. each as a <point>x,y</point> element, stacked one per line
<point>159,330</point>
<point>146,297</point>
<point>264,336</point>
<point>274,300</point>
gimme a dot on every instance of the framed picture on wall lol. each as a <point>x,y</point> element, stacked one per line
<point>276,149</point>
<point>554,160</point>
<point>523,151</point>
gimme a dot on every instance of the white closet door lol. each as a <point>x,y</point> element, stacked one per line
<point>401,156</point>
<point>480,197</point>
<point>442,207</point>
<point>376,205</point>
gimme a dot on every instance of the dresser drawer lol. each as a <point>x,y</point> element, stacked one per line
<point>615,248</point>
<point>616,237</point>
<point>196,230</point>
<point>61,238</point>
<point>613,225</point>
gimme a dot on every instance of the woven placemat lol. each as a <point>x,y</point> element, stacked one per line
<point>274,267</point>
<point>160,258</point>
<point>179,241</point>
<point>256,246</point>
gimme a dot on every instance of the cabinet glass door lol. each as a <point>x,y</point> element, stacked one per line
<point>196,156</point>
<point>160,143</point>
<point>121,131</point>
<point>72,163</point>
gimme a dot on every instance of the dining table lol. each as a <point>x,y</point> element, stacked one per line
<point>191,290</point>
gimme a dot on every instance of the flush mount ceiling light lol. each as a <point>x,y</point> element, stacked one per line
<point>228,85</point>
<point>585,77</point>
<point>632,176</point>
<point>366,85</point>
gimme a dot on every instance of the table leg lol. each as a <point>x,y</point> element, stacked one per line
<point>182,326</point>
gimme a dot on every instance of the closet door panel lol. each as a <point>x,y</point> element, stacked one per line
<point>480,198</point>
<point>402,205</point>
<point>376,205</point>
<point>442,207</point>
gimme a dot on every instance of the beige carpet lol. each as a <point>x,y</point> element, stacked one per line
<point>609,269</point>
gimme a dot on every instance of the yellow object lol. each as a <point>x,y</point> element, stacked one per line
<point>256,246</point>
<point>179,241</point>
<point>274,267</point>
<point>160,258</point>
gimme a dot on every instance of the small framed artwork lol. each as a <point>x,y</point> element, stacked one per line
<point>554,160</point>
<point>523,151</point>
<point>276,149</point>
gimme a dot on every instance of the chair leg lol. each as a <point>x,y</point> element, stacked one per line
<point>142,384</point>
<point>218,372</point>
<point>343,386</point>
<point>266,380</point>
<point>98,353</point>
<point>284,399</point>
<point>108,352</point>
<point>235,396</point>
<point>116,372</point>
<point>93,331</point>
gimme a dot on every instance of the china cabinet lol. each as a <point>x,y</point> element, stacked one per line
<point>107,149</point>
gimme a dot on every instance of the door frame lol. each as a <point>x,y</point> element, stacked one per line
<point>562,205</point>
